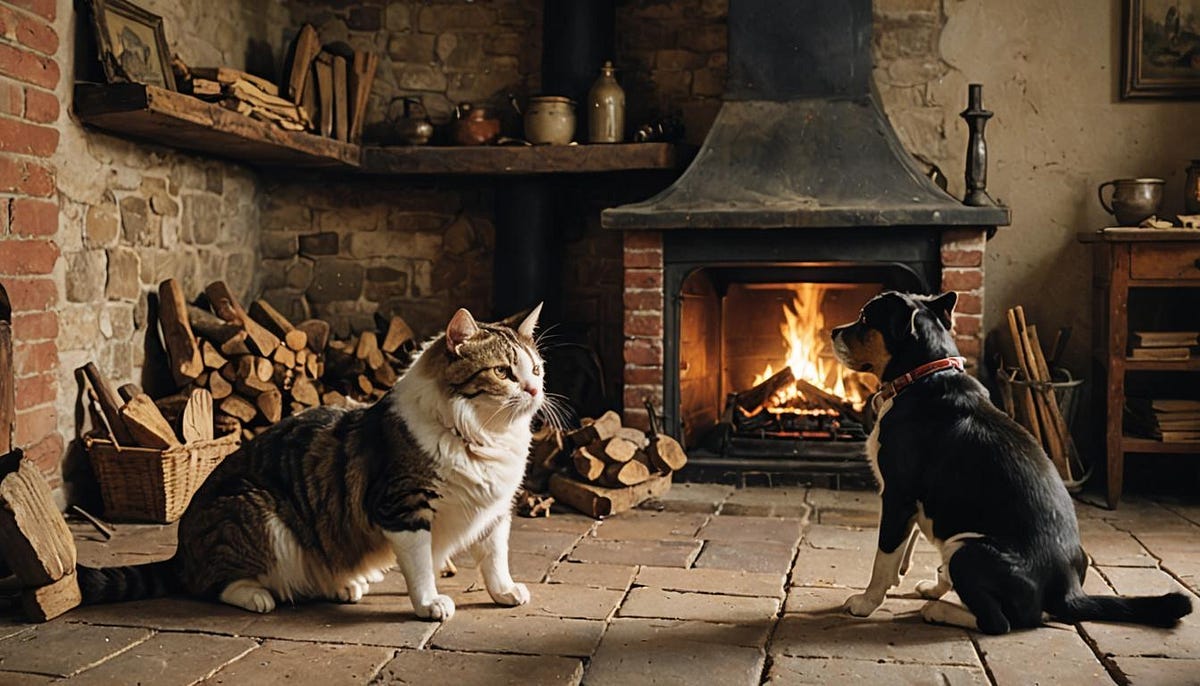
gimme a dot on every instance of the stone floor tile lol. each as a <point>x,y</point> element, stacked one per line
<point>785,530</point>
<point>594,574</point>
<point>495,631</point>
<point>1182,641</point>
<point>62,647</point>
<point>285,662</point>
<point>656,553</point>
<point>883,636</point>
<point>663,652</point>
<point>554,543</point>
<point>812,600</point>
<point>690,498</point>
<point>1060,653</point>
<point>642,524</point>
<point>767,502</point>
<point>168,658</point>
<point>723,581</point>
<point>1094,583</point>
<point>849,517</point>
<point>26,679</point>
<point>549,600</point>
<point>1157,671</point>
<point>839,568</point>
<point>1185,567</point>
<point>841,537</point>
<point>1166,543</point>
<point>531,568</point>
<point>563,522</point>
<point>786,671</point>
<point>378,620</point>
<point>1117,549</point>
<point>176,614</point>
<point>1140,580</point>
<point>1095,526</point>
<point>827,499</point>
<point>751,556</point>
<point>478,669</point>
<point>656,603</point>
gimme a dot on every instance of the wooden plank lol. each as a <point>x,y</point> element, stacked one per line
<point>522,159</point>
<point>181,121</point>
<point>599,502</point>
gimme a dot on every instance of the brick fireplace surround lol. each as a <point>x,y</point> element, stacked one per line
<point>962,271</point>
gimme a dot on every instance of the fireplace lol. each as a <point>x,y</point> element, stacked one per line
<point>801,188</point>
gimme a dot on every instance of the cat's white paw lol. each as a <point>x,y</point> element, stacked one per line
<point>353,591</point>
<point>931,589</point>
<point>374,576</point>
<point>860,605</point>
<point>518,594</point>
<point>439,609</point>
<point>248,595</point>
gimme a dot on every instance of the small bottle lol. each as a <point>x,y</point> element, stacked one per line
<point>606,108</point>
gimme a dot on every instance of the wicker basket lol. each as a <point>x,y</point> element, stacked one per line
<point>148,485</point>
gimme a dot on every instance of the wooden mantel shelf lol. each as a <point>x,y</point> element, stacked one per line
<point>180,121</point>
<point>524,159</point>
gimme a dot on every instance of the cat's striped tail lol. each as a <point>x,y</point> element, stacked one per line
<point>117,584</point>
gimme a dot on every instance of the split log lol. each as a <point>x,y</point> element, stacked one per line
<point>276,323</point>
<point>341,365</point>
<point>617,449</point>
<point>364,384</point>
<point>621,474</point>
<point>398,334</point>
<point>238,407</point>
<point>385,375</point>
<point>305,49</point>
<point>547,448</point>
<point>587,464</point>
<point>604,427</point>
<point>230,339</point>
<point>44,603</point>
<point>368,350</point>
<point>270,404</point>
<point>213,359</point>
<point>756,398</point>
<point>150,429</point>
<point>285,356</point>
<point>223,425</point>
<point>665,453</point>
<point>110,405</point>
<point>334,399</point>
<point>196,423</point>
<point>227,307</point>
<point>635,436</point>
<point>34,539</point>
<point>128,390</point>
<point>183,351</point>
<point>598,501</point>
<point>219,386</point>
<point>304,392</point>
<point>317,331</point>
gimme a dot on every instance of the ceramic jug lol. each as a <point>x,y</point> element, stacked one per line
<point>606,108</point>
<point>1132,199</point>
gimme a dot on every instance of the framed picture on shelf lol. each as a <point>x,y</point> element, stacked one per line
<point>133,45</point>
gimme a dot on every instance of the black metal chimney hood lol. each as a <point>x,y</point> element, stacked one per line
<point>801,140</point>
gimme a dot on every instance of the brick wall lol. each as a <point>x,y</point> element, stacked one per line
<point>29,249</point>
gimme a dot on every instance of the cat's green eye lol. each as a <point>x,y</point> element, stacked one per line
<point>504,373</point>
<point>537,370</point>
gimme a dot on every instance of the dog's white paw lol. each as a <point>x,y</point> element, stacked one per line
<point>439,609</point>
<point>860,605</point>
<point>935,612</point>
<point>931,589</point>
<point>518,594</point>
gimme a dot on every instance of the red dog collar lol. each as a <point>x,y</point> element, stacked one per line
<point>892,389</point>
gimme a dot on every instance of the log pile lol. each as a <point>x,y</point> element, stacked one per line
<point>258,367</point>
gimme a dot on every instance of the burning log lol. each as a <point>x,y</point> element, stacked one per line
<point>755,399</point>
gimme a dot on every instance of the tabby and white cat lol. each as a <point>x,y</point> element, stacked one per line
<point>324,502</point>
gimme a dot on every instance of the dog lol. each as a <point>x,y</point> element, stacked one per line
<point>973,481</point>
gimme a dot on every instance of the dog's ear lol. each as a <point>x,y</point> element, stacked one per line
<point>943,307</point>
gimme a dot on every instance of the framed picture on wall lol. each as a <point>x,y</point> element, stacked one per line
<point>1161,54</point>
<point>133,45</point>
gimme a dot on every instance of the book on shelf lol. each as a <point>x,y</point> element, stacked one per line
<point>1160,354</point>
<point>1163,419</point>
<point>1165,339</point>
<point>1170,436</point>
<point>1174,405</point>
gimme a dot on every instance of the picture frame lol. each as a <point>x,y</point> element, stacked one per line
<point>1160,57</point>
<point>132,44</point>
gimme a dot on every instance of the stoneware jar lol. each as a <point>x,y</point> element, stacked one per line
<point>550,119</point>
<point>1132,199</point>
<point>606,108</point>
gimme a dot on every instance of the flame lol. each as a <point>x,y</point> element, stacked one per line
<point>803,330</point>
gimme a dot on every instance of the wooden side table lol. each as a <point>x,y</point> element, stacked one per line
<point>1125,260</point>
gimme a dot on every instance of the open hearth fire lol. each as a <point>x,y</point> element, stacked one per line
<point>812,397</point>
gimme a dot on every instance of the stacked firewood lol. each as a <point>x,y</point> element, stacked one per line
<point>606,453</point>
<point>259,367</point>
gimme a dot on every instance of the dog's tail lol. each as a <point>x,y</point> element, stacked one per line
<point>117,584</point>
<point>1161,610</point>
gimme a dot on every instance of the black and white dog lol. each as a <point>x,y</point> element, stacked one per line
<point>977,484</point>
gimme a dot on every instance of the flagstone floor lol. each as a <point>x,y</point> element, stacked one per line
<point>711,585</point>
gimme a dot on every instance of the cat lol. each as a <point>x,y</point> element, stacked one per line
<point>326,501</point>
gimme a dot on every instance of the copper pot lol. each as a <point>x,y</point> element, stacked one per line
<point>474,125</point>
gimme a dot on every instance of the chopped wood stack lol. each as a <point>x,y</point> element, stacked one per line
<point>331,84</point>
<point>604,452</point>
<point>1031,400</point>
<point>258,367</point>
<point>35,541</point>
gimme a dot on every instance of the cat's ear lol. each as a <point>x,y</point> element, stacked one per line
<point>461,327</point>
<point>529,324</point>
